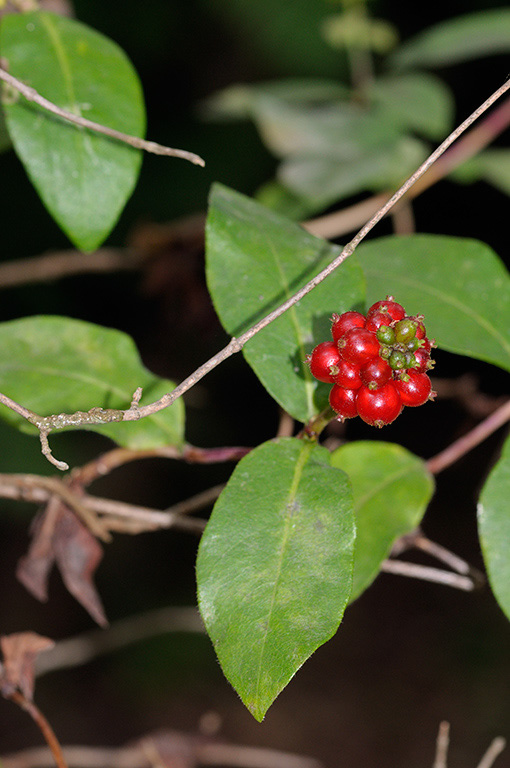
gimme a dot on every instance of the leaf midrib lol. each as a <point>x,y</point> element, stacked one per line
<point>305,451</point>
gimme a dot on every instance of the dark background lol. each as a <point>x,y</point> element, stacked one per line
<point>408,654</point>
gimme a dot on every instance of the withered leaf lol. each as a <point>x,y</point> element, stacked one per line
<point>19,651</point>
<point>78,553</point>
<point>60,537</point>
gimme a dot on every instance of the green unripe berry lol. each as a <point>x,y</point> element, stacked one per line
<point>397,360</point>
<point>405,330</point>
<point>385,334</point>
<point>385,352</point>
<point>414,344</point>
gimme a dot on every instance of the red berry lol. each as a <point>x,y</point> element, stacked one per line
<point>396,311</point>
<point>348,375</point>
<point>324,361</point>
<point>358,345</point>
<point>376,373</point>
<point>423,361</point>
<point>414,388</point>
<point>375,320</point>
<point>379,407</point>
<point>343,323</point>
<point>421,332</point>
<point>343,402</point>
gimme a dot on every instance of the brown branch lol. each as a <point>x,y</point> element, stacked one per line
<point>495,749</point>
<point>43,725</point>
<point>57,264</point>
<point>139,756</point>
<point>426,573</point>
<point>32,95</point>
<point>442,744</point>
<point>115,515</point>
<point>75,651</point>
<point>417,540</point>
<point>469,441</point>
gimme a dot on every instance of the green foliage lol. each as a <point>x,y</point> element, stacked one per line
<point>255,261</point>
<point>83,178</point>
<point>494,528</point>
<point>466,37</point>
<point>492,166</point>
<point>391,489</point>
<point>460,285</point>
<point>56,364</point>
<point>274,567</point>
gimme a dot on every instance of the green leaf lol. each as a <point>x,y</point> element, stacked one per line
<point>274,195</point>
<point>459,285</point>
<point>56,364</point>
<point>274,566</point>
<point>492,166</point>
<point>83,178</point>
<point>241,100</point>
<point>484,33</point>
<point>326,179</point>
<point>5,140</point>
<point>494,528</point>
<point>255,261</point>
<point>419,102</point>
<point>339,129</point>
<point>391,489</point>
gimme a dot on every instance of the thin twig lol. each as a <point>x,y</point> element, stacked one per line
<point>236,344</point>
<point>31,94</point>
<point>135,755</point>
<point>87,646</point>
<point>40,489</point>
<point>495,749</point>
<point>442,744</point>
<point>469,441</point>
<point>43,725</point>
<point>66,263</point>
<point>333,225</point>
<point>416,539</point>
<point>45,424</point>
<point>426,573</point>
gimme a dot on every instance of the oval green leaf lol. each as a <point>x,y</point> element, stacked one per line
<point>59,365</point>
<point>274,566</point>
<point>494,529</point>
<point>83,178</point>
<point>256,260</point>
<point>419,102</point>
<point>391,489</point>
<point>461,39</point>
<point>459,285</point>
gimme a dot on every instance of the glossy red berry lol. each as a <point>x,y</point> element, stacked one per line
<point>380,406</point>
<point>343,402</point>
<point>358,345</point>
<point>324,361</point>
<point>421,331</point>
<point>343,323</point>
<point>423,361</point>
<point>396,311</point>
<point>414,388</point>
<point>348,375</point>
<point>374,321</point>
<point>376,373</point>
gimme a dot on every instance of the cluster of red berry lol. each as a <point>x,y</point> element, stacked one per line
<point>377,364</point>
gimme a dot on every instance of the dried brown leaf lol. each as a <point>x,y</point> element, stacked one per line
<point>78,553</point>
<point>60,537</point>
<point>20,650</point>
